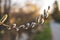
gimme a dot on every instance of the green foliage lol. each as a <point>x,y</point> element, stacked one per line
<point>46,35</point>
<point>56,12</point>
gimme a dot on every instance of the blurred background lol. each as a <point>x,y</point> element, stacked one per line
<point>30,20</point>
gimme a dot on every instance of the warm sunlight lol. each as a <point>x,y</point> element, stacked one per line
<point>43,4</point>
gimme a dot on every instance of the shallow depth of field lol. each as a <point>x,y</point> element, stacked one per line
<point>29,20</point>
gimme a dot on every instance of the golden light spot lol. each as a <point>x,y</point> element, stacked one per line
<point>12,20</point>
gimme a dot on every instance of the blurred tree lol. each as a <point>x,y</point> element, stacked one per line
<point>7,9</point>
<point>56,14</point>
<point>0,8</point>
